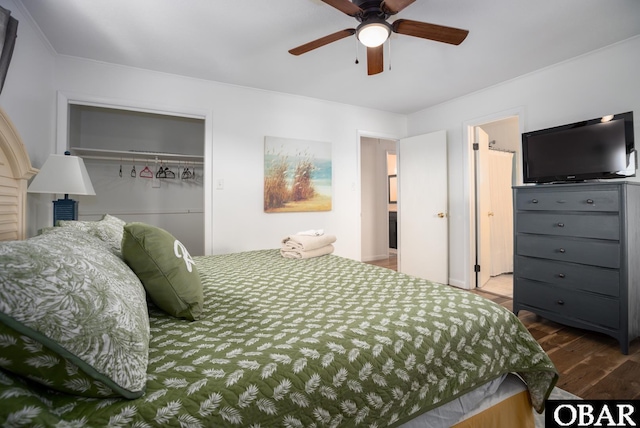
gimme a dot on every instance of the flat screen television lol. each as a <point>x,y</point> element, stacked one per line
<point>595,149</point>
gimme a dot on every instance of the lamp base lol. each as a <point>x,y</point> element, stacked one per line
<point>64,209</point>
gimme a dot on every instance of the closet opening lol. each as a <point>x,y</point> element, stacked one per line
<point>145,167</point>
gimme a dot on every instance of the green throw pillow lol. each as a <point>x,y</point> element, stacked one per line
<point>109,230</point>
<point>73,316</point>
<point>165,268</point>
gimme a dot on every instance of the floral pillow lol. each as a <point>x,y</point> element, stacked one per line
<point>73,316</point>
<point>109,230</point>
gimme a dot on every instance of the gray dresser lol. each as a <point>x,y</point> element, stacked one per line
<point>577,255</point>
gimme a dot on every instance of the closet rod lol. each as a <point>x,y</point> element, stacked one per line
<point>497,149</point>
<point>125,159</point>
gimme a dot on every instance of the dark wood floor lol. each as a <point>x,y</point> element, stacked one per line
<point>590,364</point>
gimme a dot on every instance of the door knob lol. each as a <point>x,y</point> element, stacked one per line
<point>490,214</point>
<point>442,215</point>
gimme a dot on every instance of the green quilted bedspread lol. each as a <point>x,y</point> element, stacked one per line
<point>297,343</point>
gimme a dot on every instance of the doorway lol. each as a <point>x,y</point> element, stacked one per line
<point>496,149</point>
<point>422,201</point>
<point>376,199</point>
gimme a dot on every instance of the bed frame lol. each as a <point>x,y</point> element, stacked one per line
<point>15,172</point>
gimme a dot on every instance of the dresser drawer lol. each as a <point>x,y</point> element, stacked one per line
<point>587,225</point>
<point>570,275</point>
<point>566,200</point>
<point>584,307</point>
<point>585,251</point>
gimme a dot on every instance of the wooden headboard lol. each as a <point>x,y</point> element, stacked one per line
<point>15,172</point>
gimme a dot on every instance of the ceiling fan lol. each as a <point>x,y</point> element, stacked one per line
<point>374,29</point>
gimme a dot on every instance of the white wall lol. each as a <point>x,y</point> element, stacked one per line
<point>28,97</point>
<point>241,118</point>
<point>589,86</point>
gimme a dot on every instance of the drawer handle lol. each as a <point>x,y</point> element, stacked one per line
<point>590,201</point>
<point>562,201</point>
<point>534,201</point>
<point>562,250</point>
<point>561,302</point>
<point>560,224</point>
<point>561,275</point>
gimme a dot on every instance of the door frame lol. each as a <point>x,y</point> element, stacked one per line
<point>468,137</point>
<point>480,182</point>
<point>358,183</point>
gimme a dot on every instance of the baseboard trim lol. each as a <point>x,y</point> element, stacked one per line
<point>374,258</point>
<point>458,283</point>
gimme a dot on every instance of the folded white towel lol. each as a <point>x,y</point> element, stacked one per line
<point>297,254</point>
<point>311,232</point>
<point>306,243</point>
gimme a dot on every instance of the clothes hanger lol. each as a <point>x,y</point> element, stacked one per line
<point>186,174</point>
<point>134,174</point>
<point>162,173</point>
<point>168,173</point>
<point>146,172</point>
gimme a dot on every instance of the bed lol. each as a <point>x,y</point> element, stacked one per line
<point>247,339</point>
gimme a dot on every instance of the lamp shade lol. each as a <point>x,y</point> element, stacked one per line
<point>62,174</point>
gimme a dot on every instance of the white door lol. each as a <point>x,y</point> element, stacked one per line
<point>423,241</point>
<point>483,207</point>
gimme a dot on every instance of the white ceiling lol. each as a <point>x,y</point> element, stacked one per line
<point>246,43</point>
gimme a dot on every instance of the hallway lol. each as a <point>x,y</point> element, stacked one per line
<point>502,285</point>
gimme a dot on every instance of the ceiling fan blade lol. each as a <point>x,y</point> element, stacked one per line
<point>394,6</point>
<point>439,33</point>
<point>322,41</point>
<point>345,6</point>
<point>375,60</point>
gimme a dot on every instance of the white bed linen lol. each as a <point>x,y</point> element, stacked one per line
<point>470,404</point>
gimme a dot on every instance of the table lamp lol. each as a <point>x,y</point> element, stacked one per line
<point>63,174</point>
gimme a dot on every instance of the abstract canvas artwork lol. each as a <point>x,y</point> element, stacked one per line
<point>297,175</point>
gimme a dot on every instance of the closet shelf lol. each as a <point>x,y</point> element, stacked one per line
<point>124,155</point>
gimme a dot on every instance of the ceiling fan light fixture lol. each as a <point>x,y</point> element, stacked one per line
<point>373,34</point>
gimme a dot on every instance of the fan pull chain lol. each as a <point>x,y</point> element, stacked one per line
<point>357,50</point>
<point>389,53</point>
